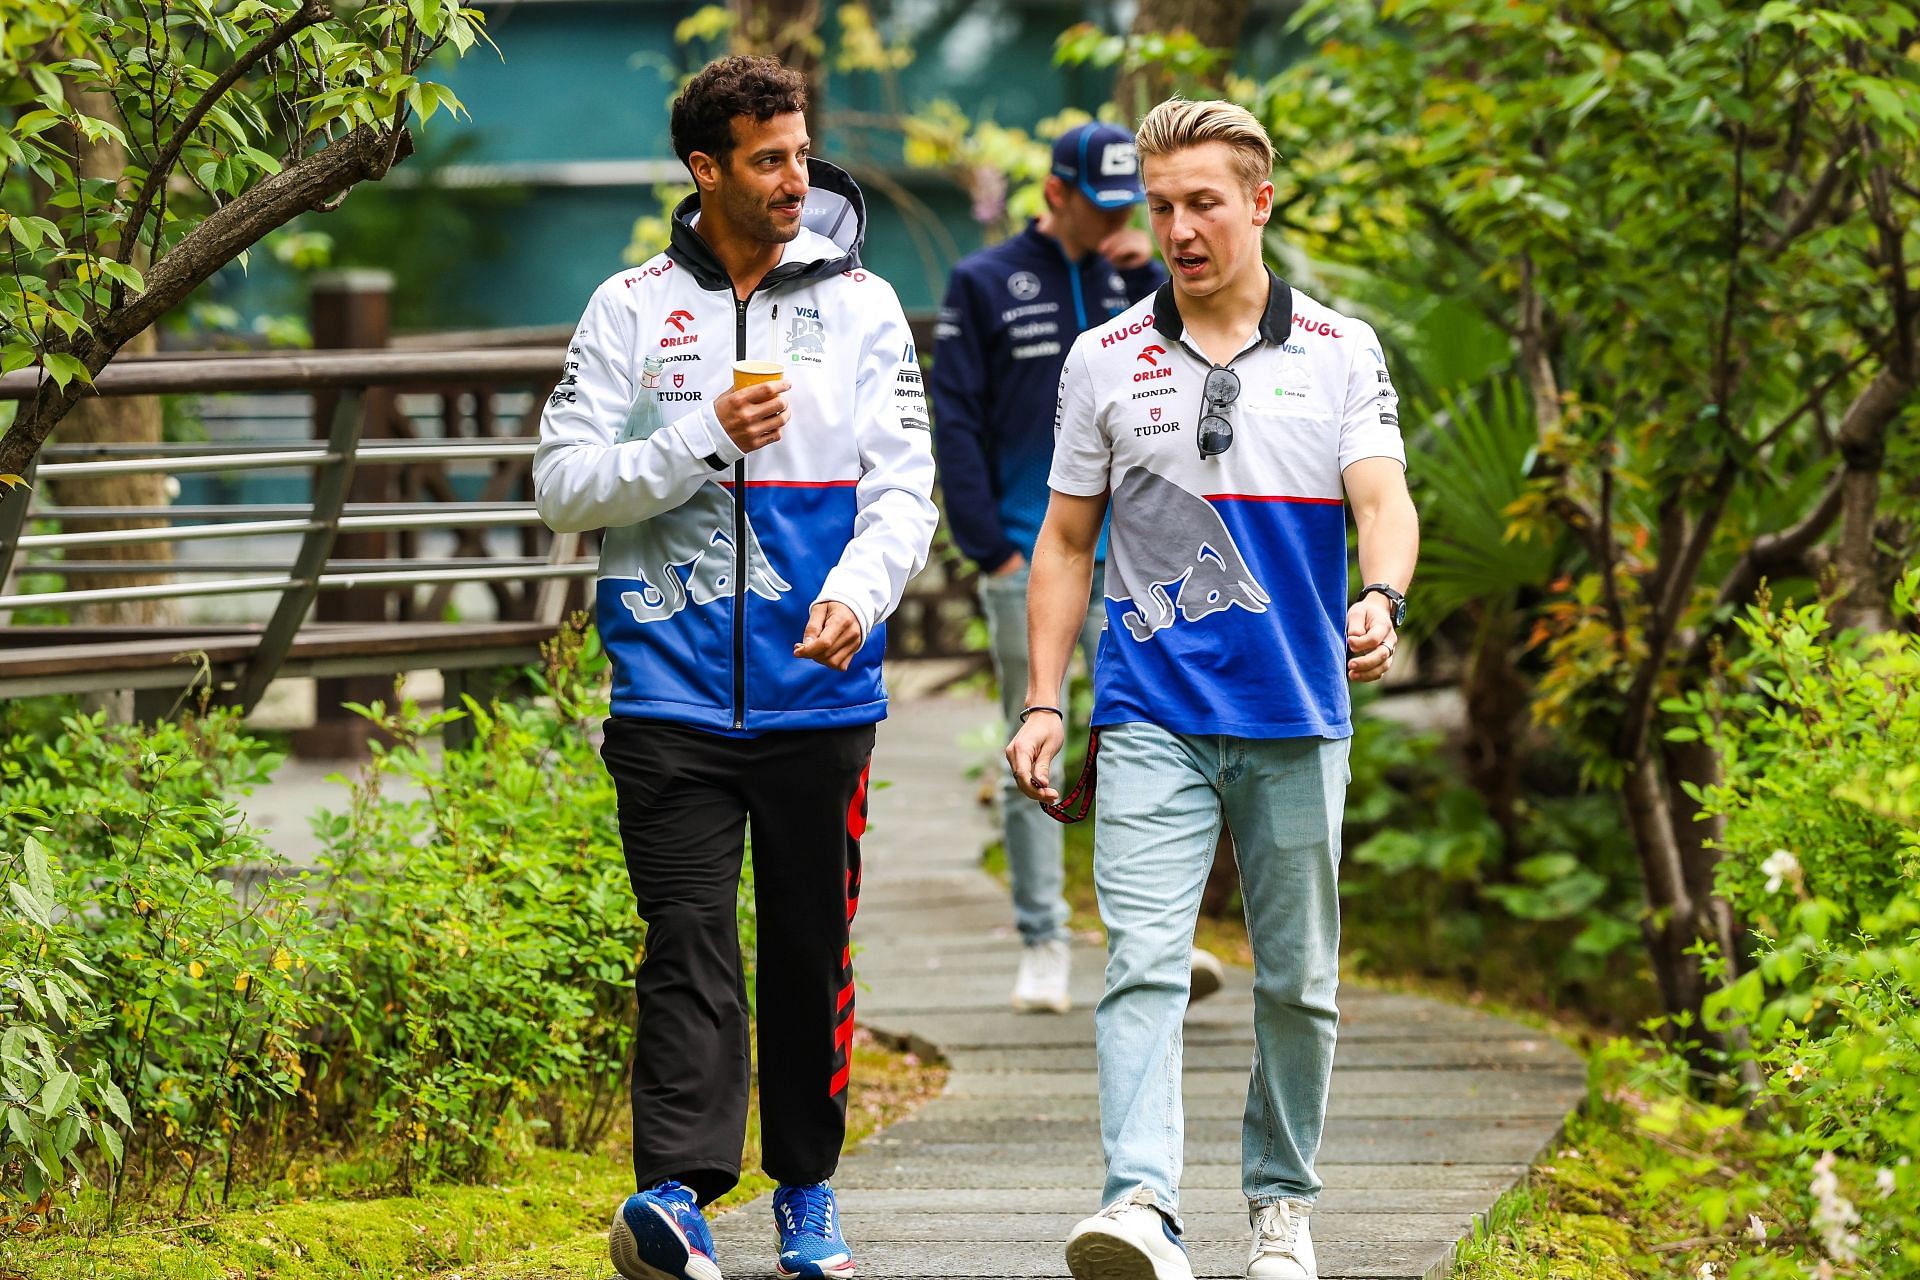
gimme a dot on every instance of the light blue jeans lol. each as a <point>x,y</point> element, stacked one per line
<point>1033,839</point>
<point>1162,798</point>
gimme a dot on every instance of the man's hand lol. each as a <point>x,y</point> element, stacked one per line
<point>1127,248</point>
<point>1030,755</point>
<point>753,417</point>
<point>832,636</point>
<point>1012,565</point>
<point>1371,638</point>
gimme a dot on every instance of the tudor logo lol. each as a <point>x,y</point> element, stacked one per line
<point>1148,353</point>
<point>1154,413</point>
<point>679,380</point>
<point>1322,327</point>
<point>679,320</point>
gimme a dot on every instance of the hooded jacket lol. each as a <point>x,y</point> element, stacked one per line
<point>712,559</point>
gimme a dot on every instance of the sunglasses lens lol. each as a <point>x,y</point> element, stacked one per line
<point>1223,386</point>
<point>1216,435</point>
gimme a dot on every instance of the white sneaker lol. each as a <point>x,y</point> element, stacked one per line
<point>1042,984</point>
<point>1282,1248</point>
<point>1127,1240</point>
<point>1209,975</point>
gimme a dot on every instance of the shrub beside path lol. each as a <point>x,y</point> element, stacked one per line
<point>1435,1109</point>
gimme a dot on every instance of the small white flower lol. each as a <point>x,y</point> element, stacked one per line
<point>1796,1071</point>
<point>1833,1213</point>
<point>1884,1181</point>
<point>1707,1271</point>
<point>1779,866</point>
<point>1756,1229</point>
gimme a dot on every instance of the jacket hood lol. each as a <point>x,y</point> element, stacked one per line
<point>835,212</point>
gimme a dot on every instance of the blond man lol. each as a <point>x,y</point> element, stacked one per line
<point>1221,693</point>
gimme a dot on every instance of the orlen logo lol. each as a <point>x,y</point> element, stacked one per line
<point>1148,353</point>
<point>1322,327</point>
<point>1121,335</point>
<point>680,320</point>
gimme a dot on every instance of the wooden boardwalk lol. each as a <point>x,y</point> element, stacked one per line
<point>1435,1109</point>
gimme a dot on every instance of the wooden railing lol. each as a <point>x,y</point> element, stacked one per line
<point>398,429</point>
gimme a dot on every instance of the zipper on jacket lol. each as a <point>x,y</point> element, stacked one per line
<point>740,542</point>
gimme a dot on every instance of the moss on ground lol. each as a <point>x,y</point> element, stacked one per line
<point>544,1218</point>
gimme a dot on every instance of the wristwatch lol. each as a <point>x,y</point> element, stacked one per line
<point>1395,601</point>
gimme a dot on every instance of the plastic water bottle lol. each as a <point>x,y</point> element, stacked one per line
<point>645,419</point>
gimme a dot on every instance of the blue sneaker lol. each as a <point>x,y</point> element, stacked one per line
<point>809,1225</point>
<point>661,1235</point>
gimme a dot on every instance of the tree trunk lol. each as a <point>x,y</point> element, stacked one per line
<point>115,420</point>
<point>1863,601</point>
<point>790,31</point>
<point>1496,697</point>
<point>1671,919</point>
<point>1214,23</point>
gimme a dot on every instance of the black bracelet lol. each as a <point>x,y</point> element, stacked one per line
<point>1027,711</point>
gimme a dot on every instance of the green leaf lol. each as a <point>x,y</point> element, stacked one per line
<point>116,1102</point>
<point>109,1139</point>
<point>65,368</point>
<point>60,1093</point>
<point>24,898</point>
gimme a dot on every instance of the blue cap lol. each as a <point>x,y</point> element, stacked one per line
<point>1099,159</point>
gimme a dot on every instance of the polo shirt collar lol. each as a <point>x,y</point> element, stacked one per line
<point>1275,324</point>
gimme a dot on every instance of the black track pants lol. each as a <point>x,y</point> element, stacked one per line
<point>686,801</point>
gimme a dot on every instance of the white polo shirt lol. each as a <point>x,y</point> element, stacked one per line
<point>1226,576</point>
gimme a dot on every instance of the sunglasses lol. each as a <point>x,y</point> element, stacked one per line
<point>1216,433</point>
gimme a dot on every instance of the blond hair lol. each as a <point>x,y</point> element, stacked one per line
<point>1177,124</point>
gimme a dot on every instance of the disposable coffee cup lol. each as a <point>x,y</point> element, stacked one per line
<point>747,372</point>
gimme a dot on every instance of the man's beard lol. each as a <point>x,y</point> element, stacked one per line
<point>752,216</point>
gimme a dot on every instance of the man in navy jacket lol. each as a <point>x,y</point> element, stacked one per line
<point>1011,313</point>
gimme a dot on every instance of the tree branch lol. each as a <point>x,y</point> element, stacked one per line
<point>1676,586</point>
<point>1811,208</point>
<point>310,13</point>
<point>1807,406</point>
<point>359,156</point>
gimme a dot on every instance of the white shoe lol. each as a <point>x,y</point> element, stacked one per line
<point>1127,1240</point>
<point>1042,984</point>
<point>1208,976</point>
<point>1282,1248</point>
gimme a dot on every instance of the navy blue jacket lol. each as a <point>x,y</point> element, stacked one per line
<point>1011,313</point>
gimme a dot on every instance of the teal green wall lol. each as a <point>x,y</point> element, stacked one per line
<point>578,80</point>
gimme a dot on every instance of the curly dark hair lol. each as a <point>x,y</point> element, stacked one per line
<point>741,85</point>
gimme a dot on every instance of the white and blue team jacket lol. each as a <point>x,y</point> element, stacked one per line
<point>712,559</point>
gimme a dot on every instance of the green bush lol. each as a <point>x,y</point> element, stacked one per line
<point>489,928</point>
<point>1819,814</point>
<point>53,1096</point>
<point>208,947</point>
<point>1426,863</point>
<point>452,982</point>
